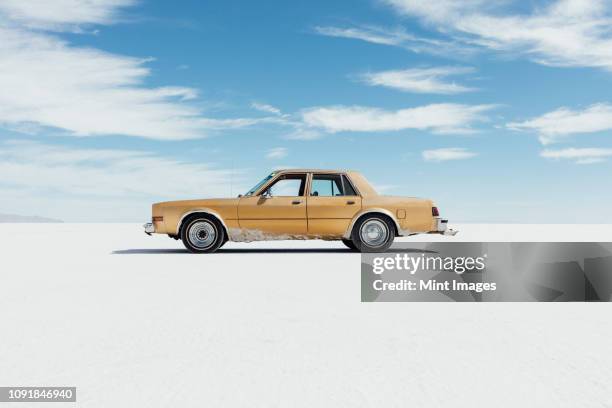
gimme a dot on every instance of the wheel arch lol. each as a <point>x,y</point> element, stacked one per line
<point>372,211</point>
<point>207,212</point>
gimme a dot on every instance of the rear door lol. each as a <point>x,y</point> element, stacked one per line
<point>332,203</point>
<point>279,210</point>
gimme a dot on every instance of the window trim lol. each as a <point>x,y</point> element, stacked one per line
<point>355,189</point>
<point>346,180</point>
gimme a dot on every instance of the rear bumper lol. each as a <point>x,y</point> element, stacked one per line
<point>149,228</point>
<point>442,227</point>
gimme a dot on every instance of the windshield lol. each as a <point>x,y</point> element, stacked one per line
<point>258,185</point>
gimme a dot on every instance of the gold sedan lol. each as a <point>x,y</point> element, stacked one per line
<point>299,204</point>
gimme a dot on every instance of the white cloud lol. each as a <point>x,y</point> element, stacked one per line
<point>441,10</point>
<point>264,107</point>
<point>397,37</point>
<point>79,183</point>
<point>374,35</point>
<point>420,80</point>
<point>579,155</point>
<point>449,153</point>
<point>46,82</point>
<point>564,122</point>
<point>277,153</point>
<point>303,133</point>
<point>563,33</point>
<point>62,14</point>
<point>439,118</point>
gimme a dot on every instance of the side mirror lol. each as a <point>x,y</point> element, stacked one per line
<point>239,195</point>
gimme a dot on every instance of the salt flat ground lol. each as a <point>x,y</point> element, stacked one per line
<point>135,321</point>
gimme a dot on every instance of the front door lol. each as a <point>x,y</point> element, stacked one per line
<point>332,204</point>
<point>279,210</point>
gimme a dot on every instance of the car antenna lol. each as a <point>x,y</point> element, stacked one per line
<point>232,180</point>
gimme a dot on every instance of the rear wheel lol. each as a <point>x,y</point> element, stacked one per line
<point>373,233</point>
<point>349,244</point>
<point>202,235</point>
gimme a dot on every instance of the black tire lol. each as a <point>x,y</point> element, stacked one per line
<point>201,234</point>
<point>224,242</point>
<point>349,244</point>
<point>371,242</point>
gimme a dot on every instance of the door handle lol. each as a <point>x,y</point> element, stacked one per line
<point>350,202</point>
<point>295,202</point>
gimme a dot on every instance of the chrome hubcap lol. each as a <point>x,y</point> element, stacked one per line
<point>374,233</point>
<point>202,234</point>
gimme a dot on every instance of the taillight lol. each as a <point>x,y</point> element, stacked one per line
<point>435,212</point>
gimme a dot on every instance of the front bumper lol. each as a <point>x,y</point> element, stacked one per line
<point>149,228</point>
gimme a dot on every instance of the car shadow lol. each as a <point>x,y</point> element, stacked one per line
<point>284,250</point>
<point>146,251</point>
<point>235,251</point>
<point>142,251</point>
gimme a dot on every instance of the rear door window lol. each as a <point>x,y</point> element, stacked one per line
<point>330,185</point>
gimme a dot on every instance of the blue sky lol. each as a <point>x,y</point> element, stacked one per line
<point>499,112</point>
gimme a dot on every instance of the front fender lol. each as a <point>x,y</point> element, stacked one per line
<point>200,211</point>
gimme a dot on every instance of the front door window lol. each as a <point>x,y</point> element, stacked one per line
<point>290,185</point>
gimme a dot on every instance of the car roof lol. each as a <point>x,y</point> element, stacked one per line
<point>310,171</point>
<point>357,179</point>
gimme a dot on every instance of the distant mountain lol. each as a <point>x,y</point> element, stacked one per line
<point>5,218</point>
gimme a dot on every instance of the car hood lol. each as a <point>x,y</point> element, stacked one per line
<point>205,202</point>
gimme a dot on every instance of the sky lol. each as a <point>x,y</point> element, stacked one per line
<point>499,111</point>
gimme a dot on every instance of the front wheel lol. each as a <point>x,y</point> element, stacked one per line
<point>373,233</point>
<point>202,235</point>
